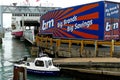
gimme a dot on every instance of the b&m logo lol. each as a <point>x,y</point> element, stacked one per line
<point>112,26</point>
<point>47,24</point>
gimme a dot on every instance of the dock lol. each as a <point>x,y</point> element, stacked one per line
<point>98,66</point>
<point>89,62</point>
<point>69,60</point>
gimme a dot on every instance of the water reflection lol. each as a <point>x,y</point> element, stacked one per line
<point>10,49</point>
<point>36,77</point>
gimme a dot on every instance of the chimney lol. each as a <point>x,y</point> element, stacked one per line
<point>14,4</point>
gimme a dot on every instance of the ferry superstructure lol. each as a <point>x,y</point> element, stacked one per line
<point>23,22</point>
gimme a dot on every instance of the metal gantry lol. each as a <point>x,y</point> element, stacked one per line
<point>26,9</point>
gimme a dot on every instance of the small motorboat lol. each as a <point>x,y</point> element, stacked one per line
<point>41,65</point>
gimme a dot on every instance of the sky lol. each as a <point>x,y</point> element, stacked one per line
<point>57,3</point>
<point>53,3</point>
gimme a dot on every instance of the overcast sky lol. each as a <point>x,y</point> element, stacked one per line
<point>54,3</point>
<point>58,3</point>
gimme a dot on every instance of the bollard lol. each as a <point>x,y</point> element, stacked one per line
<point>19,73</point>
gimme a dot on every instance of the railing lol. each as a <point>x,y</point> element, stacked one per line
<point>80,47</point>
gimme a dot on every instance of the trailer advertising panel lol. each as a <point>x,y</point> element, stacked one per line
<point>112,15</point>
<point>77,22</point>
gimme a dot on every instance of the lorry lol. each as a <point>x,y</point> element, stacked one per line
<point>93,21</point>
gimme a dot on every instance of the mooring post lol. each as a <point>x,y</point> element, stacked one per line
<point>81,48</point>
<point>58,43</point>
<point>69,48</point>
<point>96,48</point>
<point>20,73</point>
<point>112,48</point>
<point>51,42</point>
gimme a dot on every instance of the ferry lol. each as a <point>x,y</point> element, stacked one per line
<point>24,24</point>
<point>16,27</point>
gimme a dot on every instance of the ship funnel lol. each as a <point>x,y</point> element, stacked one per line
<point>14,4</point>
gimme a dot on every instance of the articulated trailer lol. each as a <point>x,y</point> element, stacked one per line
<point>95,23</point>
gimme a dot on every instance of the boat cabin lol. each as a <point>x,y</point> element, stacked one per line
<point>43,62</point>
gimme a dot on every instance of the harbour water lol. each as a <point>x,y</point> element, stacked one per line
<point>13,49</point>
<point>10,49</point>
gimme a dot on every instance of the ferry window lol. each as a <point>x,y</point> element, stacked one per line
<point>39,63</point>
<point>24,14</point>
<point>13,14</point>
<point>27,28</point>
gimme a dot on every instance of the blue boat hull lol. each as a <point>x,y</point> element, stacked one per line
<point>46,73</point>
<point>41,72</point>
